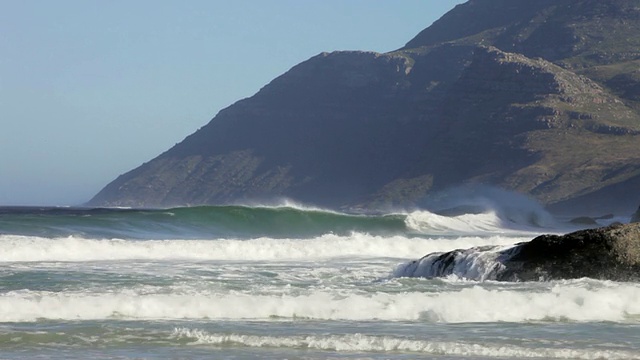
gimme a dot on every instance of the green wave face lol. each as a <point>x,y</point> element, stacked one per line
<point>193,222</point>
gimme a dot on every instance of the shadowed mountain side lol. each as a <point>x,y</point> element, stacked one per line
<point>314,134</point>
<point>620,197</point>
<point>575,33</point>
<point>635,218</point>
<point>478,17</point>
<point>530,126</point>
<point>538,97</point>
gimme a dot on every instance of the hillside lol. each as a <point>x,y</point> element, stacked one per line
<point>538,97</point>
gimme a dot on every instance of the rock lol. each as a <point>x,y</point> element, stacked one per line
<point>608,253</point>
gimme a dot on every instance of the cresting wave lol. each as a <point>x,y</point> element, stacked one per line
<point>578,301</point>
<point>203,222</point>
<point>207,222</point>
<point>426,222</point>
<point>28,248</point>
<point>368,343</point>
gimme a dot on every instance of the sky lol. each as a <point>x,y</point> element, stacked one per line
<point>92,89</point>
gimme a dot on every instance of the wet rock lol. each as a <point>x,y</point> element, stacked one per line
<point>610,253</point>
<point>606,253</point>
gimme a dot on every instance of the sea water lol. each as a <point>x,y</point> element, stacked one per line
<point>242,282</point>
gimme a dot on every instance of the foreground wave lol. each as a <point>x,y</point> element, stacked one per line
<point>367,343</point>
<point>578,301</point>
<point>307,345</point>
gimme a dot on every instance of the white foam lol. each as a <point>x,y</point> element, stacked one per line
<point>490,222</point>
<point>27,248</point>
<point>368,343</point>
<point>514,210</point>
<point>285,203</point>
<point>566,301</point>
<point>479,264</point>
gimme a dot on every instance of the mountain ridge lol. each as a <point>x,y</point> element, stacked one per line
<point>489,103</point>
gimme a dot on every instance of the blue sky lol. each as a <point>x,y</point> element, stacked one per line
<point>92,89</point>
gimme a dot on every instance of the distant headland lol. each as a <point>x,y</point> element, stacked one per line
<point>539,97</point>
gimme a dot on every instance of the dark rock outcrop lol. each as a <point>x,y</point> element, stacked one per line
<point>609,253</point>
<point>539,97</point>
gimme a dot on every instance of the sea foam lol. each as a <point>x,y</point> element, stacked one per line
<point>425,221</point>
<point>30,248</point>
<point>367,343</point>
<point>577,301</point>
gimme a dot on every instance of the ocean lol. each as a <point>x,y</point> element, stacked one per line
<point>290,282</point>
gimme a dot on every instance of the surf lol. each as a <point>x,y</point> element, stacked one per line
<point>357,343</point>
<point>235,221</point>
<point>246,222</point>
<point>19,248</point>
<point>566,301</point>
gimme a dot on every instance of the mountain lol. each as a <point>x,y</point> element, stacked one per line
<point>540,97</point>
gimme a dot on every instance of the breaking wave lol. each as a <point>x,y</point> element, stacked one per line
<point>567,301</point>
<point>244,222</point>
<point>368,343</point>
<point>18,248</point>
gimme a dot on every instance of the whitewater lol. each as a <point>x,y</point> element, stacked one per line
<point>290,282</point>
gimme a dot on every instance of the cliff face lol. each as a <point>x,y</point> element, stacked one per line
<point>321,133</point>
<point>539,97</point>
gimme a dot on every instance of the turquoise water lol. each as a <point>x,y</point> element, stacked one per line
<point>231,283</point>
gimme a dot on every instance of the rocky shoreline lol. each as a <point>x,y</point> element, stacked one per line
<point>606,253</point>
<point>609,253</point>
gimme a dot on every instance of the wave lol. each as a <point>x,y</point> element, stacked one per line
<point>577,301</point>
<point>371,343</point>
<point>193,222</point>
<point>18,248</point>
<point>349,345</point>
<point>509,206</point>
<point>245,222</point>
<point>488,222</point>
